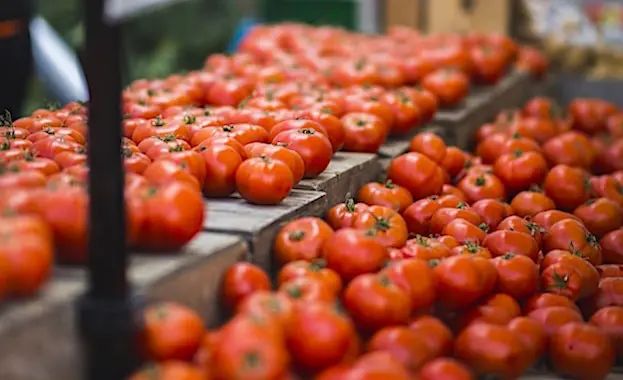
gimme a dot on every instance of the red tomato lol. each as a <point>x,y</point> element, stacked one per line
<point>417,173</point>
<point>568,187</point>
<point>388,194</point>
<point>313,147</point>
<point>363,132</point>
<point>351,252</point>
<point>450,86</point>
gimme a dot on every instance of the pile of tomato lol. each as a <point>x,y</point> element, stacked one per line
<point>459,265</point>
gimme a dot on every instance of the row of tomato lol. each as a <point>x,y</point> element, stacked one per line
<point>458,266</point>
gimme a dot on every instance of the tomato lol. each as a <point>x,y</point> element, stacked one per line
<point>590,115</point>
<point>571,149</point>
<point>491,212</point>
<point>378,365</point>
<point>264,181</point>
<point>375,301</point>
<point>386,225</point>
<point>308,289</point>
<point>243,133</point>
<point>332,124</point>
<point>171,331</point>
<point>293,124</point>
<point>445,369</point>
<point>502,242</point>
<point>373,105</point>
<point>460,280</point>
<point>417,173</point>
<point>568,187</point>
<point>343,215</point>
<point>426,248</point>
<point>608,187</point>
<point>160,127</point>
<point>222,163</point>
<point>489,64</point>
<point>481,314</point>
<point>518,275</point>
<point>240,281</point>
<point>564,279</point>
<point>582,351</point>
<point>191,160</point>
<point>315,269</point>
<point>609,270</point>
<point>482,186</point>
<point>243,338</point>
<point>265,304</point>
<point>448,85</point>
<point>430,145</point>
<point>351,252</point>
<point>520,170</point>
<point>600,216</point>
<point>415,277</point>
<point>312,351</point>
<point>471,248</point>
<point>434,333</point>
<point>164,171</point>
<point>612,247</point>
<point>301,239</point>
<point>609,293</point>
<point>313,147</point>
<point>545,300</point>
<point>168,370</point>
<point>531,203</point>
<point>610,321</point>
<point>161,144</point>
<point>492,349</point>
<point>228,92</point>
<point>464,231</point>
<point>516,143</point>
<point>554,317</point>
<point>454,161</point>
<point>532,334</point>
<point>540,130</point>
<point>450,196</point>
<point>571,235</point>
<point>363,132</point>
<point>407,114</point>
<point>403,344</point>
<point>587,272</point>
<point>547,219</point>
<point>388,195</point>
<point>418,215</point>
<point>492,147</point>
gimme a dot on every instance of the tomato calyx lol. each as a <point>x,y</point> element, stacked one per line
<point>28,156</point>
<point>297,235</point>
<point>167,138</point>
<point>592,240</point>
<point>158,122</point>
<point>370,232</point>
<point>317,265</point>
<point>360,122</point>
<point>472,247</point>
<point>432,263</point>
<point>126,152</point>
<point>389,184</point>
<point>517,153</point>
<point>189,119</point>
<point>535,188</point>
<point>534,228</point>
<point>587,185</point>
<point>228,128</point>
<point>484,227</point>
<point>5,145</point>
<point>508,256</point>
<point>462,206</point>
<point>480,181</point>
<point>385,281</point>
<point>176,148</point>
<point>590,202</point>
<point>349,203</point>
<point>6,120</point>
<point>422,240</point>
<point>252,359</point>
<point>307,131</point>
<point>560,282</point>
<point>294,292</point>
<point>516,135</point>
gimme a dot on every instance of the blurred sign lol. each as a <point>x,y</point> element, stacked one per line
<point>122,10</point>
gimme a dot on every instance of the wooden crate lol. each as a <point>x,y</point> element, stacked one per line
<point>346,174</point>
<point>38,340</point>
<point>258,225</point>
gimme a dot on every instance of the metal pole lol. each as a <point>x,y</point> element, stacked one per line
<point>105,312</point>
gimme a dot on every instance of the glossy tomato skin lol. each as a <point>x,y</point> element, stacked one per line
<point>502,242</point>
<point>581,350</point>
<point>443,216</point>
<point>520,170</point>
<point>600,216</point>
<point>403,344</point>
<point>343,215</point>
<point>464,231</point>
<point>351,252</point>
<point>415,277</point>
<point>221,162</point>
<point>482,186</point>
<point>169,370</point>
<point>288,156</point>
<point>573,235</point>
<point>264,181</point>
<point>418,215</point>
<point>301,239</point>
<point>610,321</point>
<point>529,203</point>
<point>532,334</point>
<point>518,275</point>
<point>312,146</point>
<point>374,302</point>
<point>417,173</point>
<point>363,132</point>
<point>543,300</point>
<point>388,194</point>
<point>445,368</point>
<point>563,279</point>
<point>570,148</point>
<point>491,212</point>
<point>430,145</point>
<point>450,86</point>
<point>459,281</point>
<point>612,247</point>
<point>240,281</point>
<point>568,187</point>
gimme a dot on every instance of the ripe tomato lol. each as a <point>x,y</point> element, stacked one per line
<point>241,280</point>
<point>163,171</point>
<point>491,212</point>
<point>608,187</point>
<point>464,231</point>
<point>590,115</point>
<point>388,195</point>
<point>363,132</point>
<point>612,247</point>
<point>445,368</point>
<point>264,181</point>
<point>492,147</point>
<point>221,162</point>
<point>243,133</point>
<point>171,332</point>
<point>289,157</point>
<point>310,350</point>
<point>415,277</point>
<point>547,219</point>
<point>450,86</point>
<point>332,124</point>
<point>417,173</point>
<point>531,203</point>
<point>581,350</point>
<point>554,317</point>
<point>301,239</point>
<point>609,293</point>
<point>544,300</point>
<point>191,160</point>
<point>586,270</point>
<point>265,304</point>
<point>426,248</point>
<point>385,224</point>
<point>471,248</point>
<point>532,334</point>
<point>489,64</point>
<point>460,280</point>
<point>378,364</point>
<point>569,234</point>
<point>343,215</point>
<point>518,275</point>
<point>537,129</point>
<point>160,127</point>
<point>168,370</point>
<point>610,321</point>
<point>375,301</point>
<point>308,289</point>
<point>454,161</point>
<point>430,145</point>
<point>600,216</point>
<point>418,215</point>
<point>571,149</point>
<point>293,124</point>
<point>315,269</point>
<point>568,187</point>
<point>482,186</point>
<point>313,147</point>
<point>609,270</point>
<point>492,349</point>
<point>516,143</point>
<point>502,242</point>
<point>434,333</point>
<point>481,314</point>
<point>519,170</point>
<point>564,279</point>
<point>407,114</point>
<point>403,344</point>
<point>351,252</point>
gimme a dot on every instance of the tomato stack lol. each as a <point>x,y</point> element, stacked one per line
<point>457,266</point>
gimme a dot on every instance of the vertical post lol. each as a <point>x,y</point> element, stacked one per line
<point>105,311</point>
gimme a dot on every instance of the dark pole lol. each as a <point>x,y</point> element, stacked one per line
<point>105,312</point>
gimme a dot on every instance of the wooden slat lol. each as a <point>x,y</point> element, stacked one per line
<point>346,173</point>
<point>258,225</point>
<point>38,340</point>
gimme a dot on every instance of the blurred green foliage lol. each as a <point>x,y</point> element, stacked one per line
<point>173,39</point>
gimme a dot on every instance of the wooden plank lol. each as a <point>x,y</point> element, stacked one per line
<point>346,173</point>
<point>258,225</point>
<point>38,340</point>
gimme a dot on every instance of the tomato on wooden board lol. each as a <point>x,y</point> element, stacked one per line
<point>222,163</point>
<point>264,181</point>
<point>351,252</point>
<point>430,145</point>
<point>385,224</point>
<point>308,289</point>
<point>417,173</point>
<point>363,132</point>
<point>343,215</point>
<point>301,239</point>
<point>385,194</point>
<point>313,147</point>
<point>450,86</point>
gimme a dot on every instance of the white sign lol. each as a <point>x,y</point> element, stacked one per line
<point>121,10</point>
